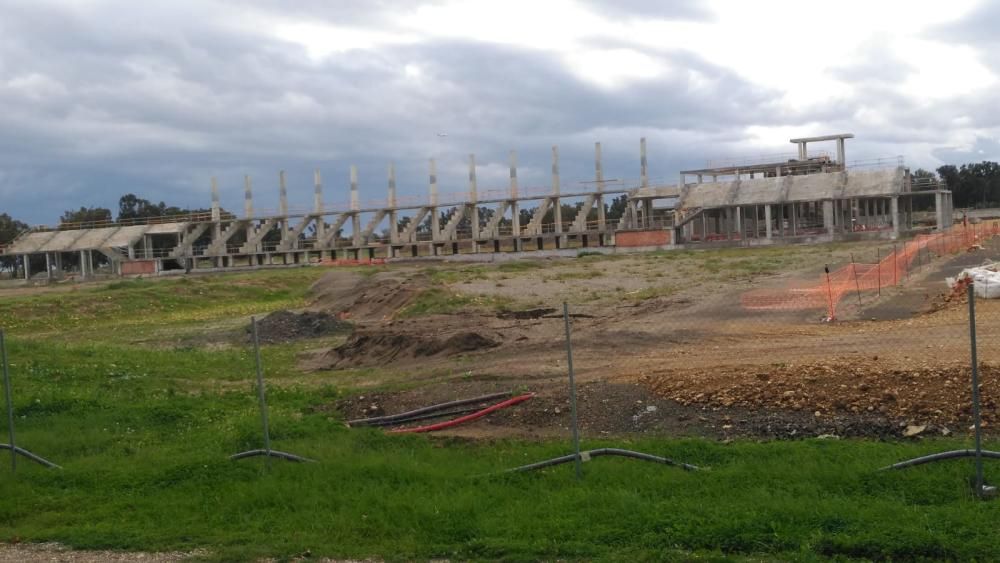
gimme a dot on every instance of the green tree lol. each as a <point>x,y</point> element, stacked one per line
<point>87,215</point>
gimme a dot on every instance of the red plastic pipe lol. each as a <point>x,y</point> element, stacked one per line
<point>466,418</point>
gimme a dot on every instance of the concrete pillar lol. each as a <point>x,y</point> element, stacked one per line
<point>802,151</point>
<point>27,267</point>
<point>556,201</point>
<point>355,203</point>
<point>355,207</point>
<point>894,215</point>
<point>767,221</point>
<point>699,178</point>
<point>828,216</point>
<point>513,174</point>
<point>939,211</point>
<point>643,172</point>
<point>599,177</point>
<point>216,213</point>
<point>840,152</point>
<point>433,200</point>
<point>48,266</point>
<point>282,195</point>
<point>247,197</point>
<point>318,205</point>
<point>473,198</point>
<point>739,221</point>
<point>391,201</point>
<point>317,192</point>
<point>84,266</point>
<point>515,211</point>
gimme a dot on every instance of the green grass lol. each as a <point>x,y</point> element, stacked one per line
<point>143,434</point>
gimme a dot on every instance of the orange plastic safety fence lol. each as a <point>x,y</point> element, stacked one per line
<point>855,277</point>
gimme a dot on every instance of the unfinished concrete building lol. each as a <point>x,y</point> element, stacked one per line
<point>803,198</point>
<point>809,198</point>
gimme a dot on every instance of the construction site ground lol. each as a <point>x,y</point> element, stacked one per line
<point>661,344</point>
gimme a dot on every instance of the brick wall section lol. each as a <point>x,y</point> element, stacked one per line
<point>137,267</point>
<point>642,238</point>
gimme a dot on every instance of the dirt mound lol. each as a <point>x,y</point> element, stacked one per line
<point>371,348</point>
<point>936,397</point>
<point>366,298</point>
<point>286,326</point>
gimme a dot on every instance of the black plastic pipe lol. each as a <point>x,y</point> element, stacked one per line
<point>601,452</point>
<point>427,416</point>
<point>271,453</point>
<point>396,417</point>
<point>940,457</point>
<point>36,458</point>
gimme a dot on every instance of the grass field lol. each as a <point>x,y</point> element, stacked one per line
<point>141,390</point>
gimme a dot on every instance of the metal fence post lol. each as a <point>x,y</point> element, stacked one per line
<point>975,390</point>
<point>10,402</point>
<point>572,394</point>
<point>260,391</point>
<point>857,285</point>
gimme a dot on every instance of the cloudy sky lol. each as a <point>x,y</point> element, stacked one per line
<point>99,98</point>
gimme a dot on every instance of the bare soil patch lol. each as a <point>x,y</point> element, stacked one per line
<point>286,326</point>
<point>381,347</point>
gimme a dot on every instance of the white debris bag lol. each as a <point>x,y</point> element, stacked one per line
<point>985,278</point>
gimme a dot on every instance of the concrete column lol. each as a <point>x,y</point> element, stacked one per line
<point>828,217</point>
<point>556,201</point>
<point>840,152</point>
<point>216,213</point>
<point>643,172</point>
<point>599,177</point>
<point>473,197</point>
<point>433,200</point>
<point>317,192</point>
<point>739,221</point>
<point>700,179</point>
<point>391,200</point>
<point>27,267</point>
<point>939,211</point>
<point>282,195</point>
<point>355,207</point>
<point>515,211</point>
<point>83,264</point>
<point>355,203</point>
<point>894,215</point>
<point>767,222</point>
<point>247,197</point>
<point>48,266</point>
<point>318,205</point>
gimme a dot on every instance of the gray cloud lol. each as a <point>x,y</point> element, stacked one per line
<point>155,100</point>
